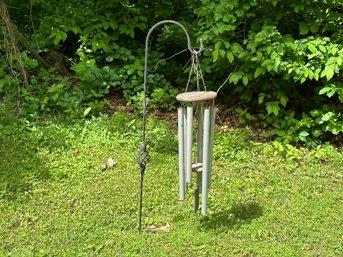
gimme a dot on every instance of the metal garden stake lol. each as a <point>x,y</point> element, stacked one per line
<point>202,101</point>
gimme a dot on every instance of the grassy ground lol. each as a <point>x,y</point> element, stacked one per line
<point>266,199</point>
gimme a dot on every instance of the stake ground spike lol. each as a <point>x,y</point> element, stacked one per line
<point>204,102</point>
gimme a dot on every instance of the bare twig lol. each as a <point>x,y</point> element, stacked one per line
<point>10,42</point>
<point>33,27</point>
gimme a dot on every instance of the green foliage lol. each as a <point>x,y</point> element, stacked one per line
<point>101,43</point>
<point>288,70</point>
<point>284,57</point>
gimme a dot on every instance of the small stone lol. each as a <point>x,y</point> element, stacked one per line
<point>111,163</point>
<point>103,166</point>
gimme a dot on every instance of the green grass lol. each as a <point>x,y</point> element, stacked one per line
<point>266,199</point>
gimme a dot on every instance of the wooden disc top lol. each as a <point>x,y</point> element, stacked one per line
<point>196,96</point>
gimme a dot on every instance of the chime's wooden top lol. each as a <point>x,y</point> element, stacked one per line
<point>196,96</point>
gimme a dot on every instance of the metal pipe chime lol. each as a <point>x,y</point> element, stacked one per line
<point>203,101</point>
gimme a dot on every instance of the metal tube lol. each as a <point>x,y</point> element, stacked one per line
<point>205,160</point>
<point>210,154</point>
<point>184,145</point>
<point>196,193</point>
<point>200,131</point>
<point>189,138</point>
<point>181,156</point>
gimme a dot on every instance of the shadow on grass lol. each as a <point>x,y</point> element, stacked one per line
<point>232,218</point>
<point>20,167</point>
<point>20,164</point>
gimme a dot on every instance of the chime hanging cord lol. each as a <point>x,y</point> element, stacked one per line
<point>196,70</point>
<point>143,155</point>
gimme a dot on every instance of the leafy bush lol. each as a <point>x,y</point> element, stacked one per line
<point>103,52</point>
<point>284,58</point>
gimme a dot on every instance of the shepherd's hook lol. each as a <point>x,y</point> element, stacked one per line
<point>143,153</point>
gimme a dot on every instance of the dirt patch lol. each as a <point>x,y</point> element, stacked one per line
<point>226,115</point>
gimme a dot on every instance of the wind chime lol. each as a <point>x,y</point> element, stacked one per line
<point>196,107</point>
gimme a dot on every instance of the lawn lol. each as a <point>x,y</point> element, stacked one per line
<point>266,199</point>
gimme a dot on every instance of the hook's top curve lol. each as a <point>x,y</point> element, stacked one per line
<point>189,46</point>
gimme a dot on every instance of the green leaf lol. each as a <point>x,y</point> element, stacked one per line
<point>305,72</point>
<point>268,50</point>
<point>95,46</point>
<point>334,50</point>
<point>316,74</point>
<point>312,48</point>
<point>261,98</point>
<point>324,90</point>
<point>329,71</point>
<point>314,27</point>
<point>3,82</point>
<point>131,71</point>
<point>327,116</point>
<point>283,100</point>
<point>75,29</point>
<point>281,133</point>
<point>62,35</point>
<point>235,77</point>
<point>109,59</point>
<point>56,40</point>
<point>273,107</point>
<point>217,44</point>
<point>322,48</point>
<point>303,28</point>
<point>245,80</point>
<point>236,49</point>
<point>230,57</point>
<point>215,55</point>
<point>258,72</point>
<point>270,67</point>
<point>85,113</point>
<point>304,133</point>
<point>276,63</point>
<point>276,109</point>
<point>113,24</point>
<point>55,96</point>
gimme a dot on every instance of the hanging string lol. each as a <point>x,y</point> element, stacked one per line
<point>168,58</point>
<point>190,72</point>
<point>226,80</point>
<point>202,77</point>
<point>196,70</point>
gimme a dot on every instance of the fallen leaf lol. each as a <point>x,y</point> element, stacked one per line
<point>160,228</point>
<point>75,151</point>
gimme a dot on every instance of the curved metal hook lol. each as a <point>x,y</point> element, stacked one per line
<point>191,50</point>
